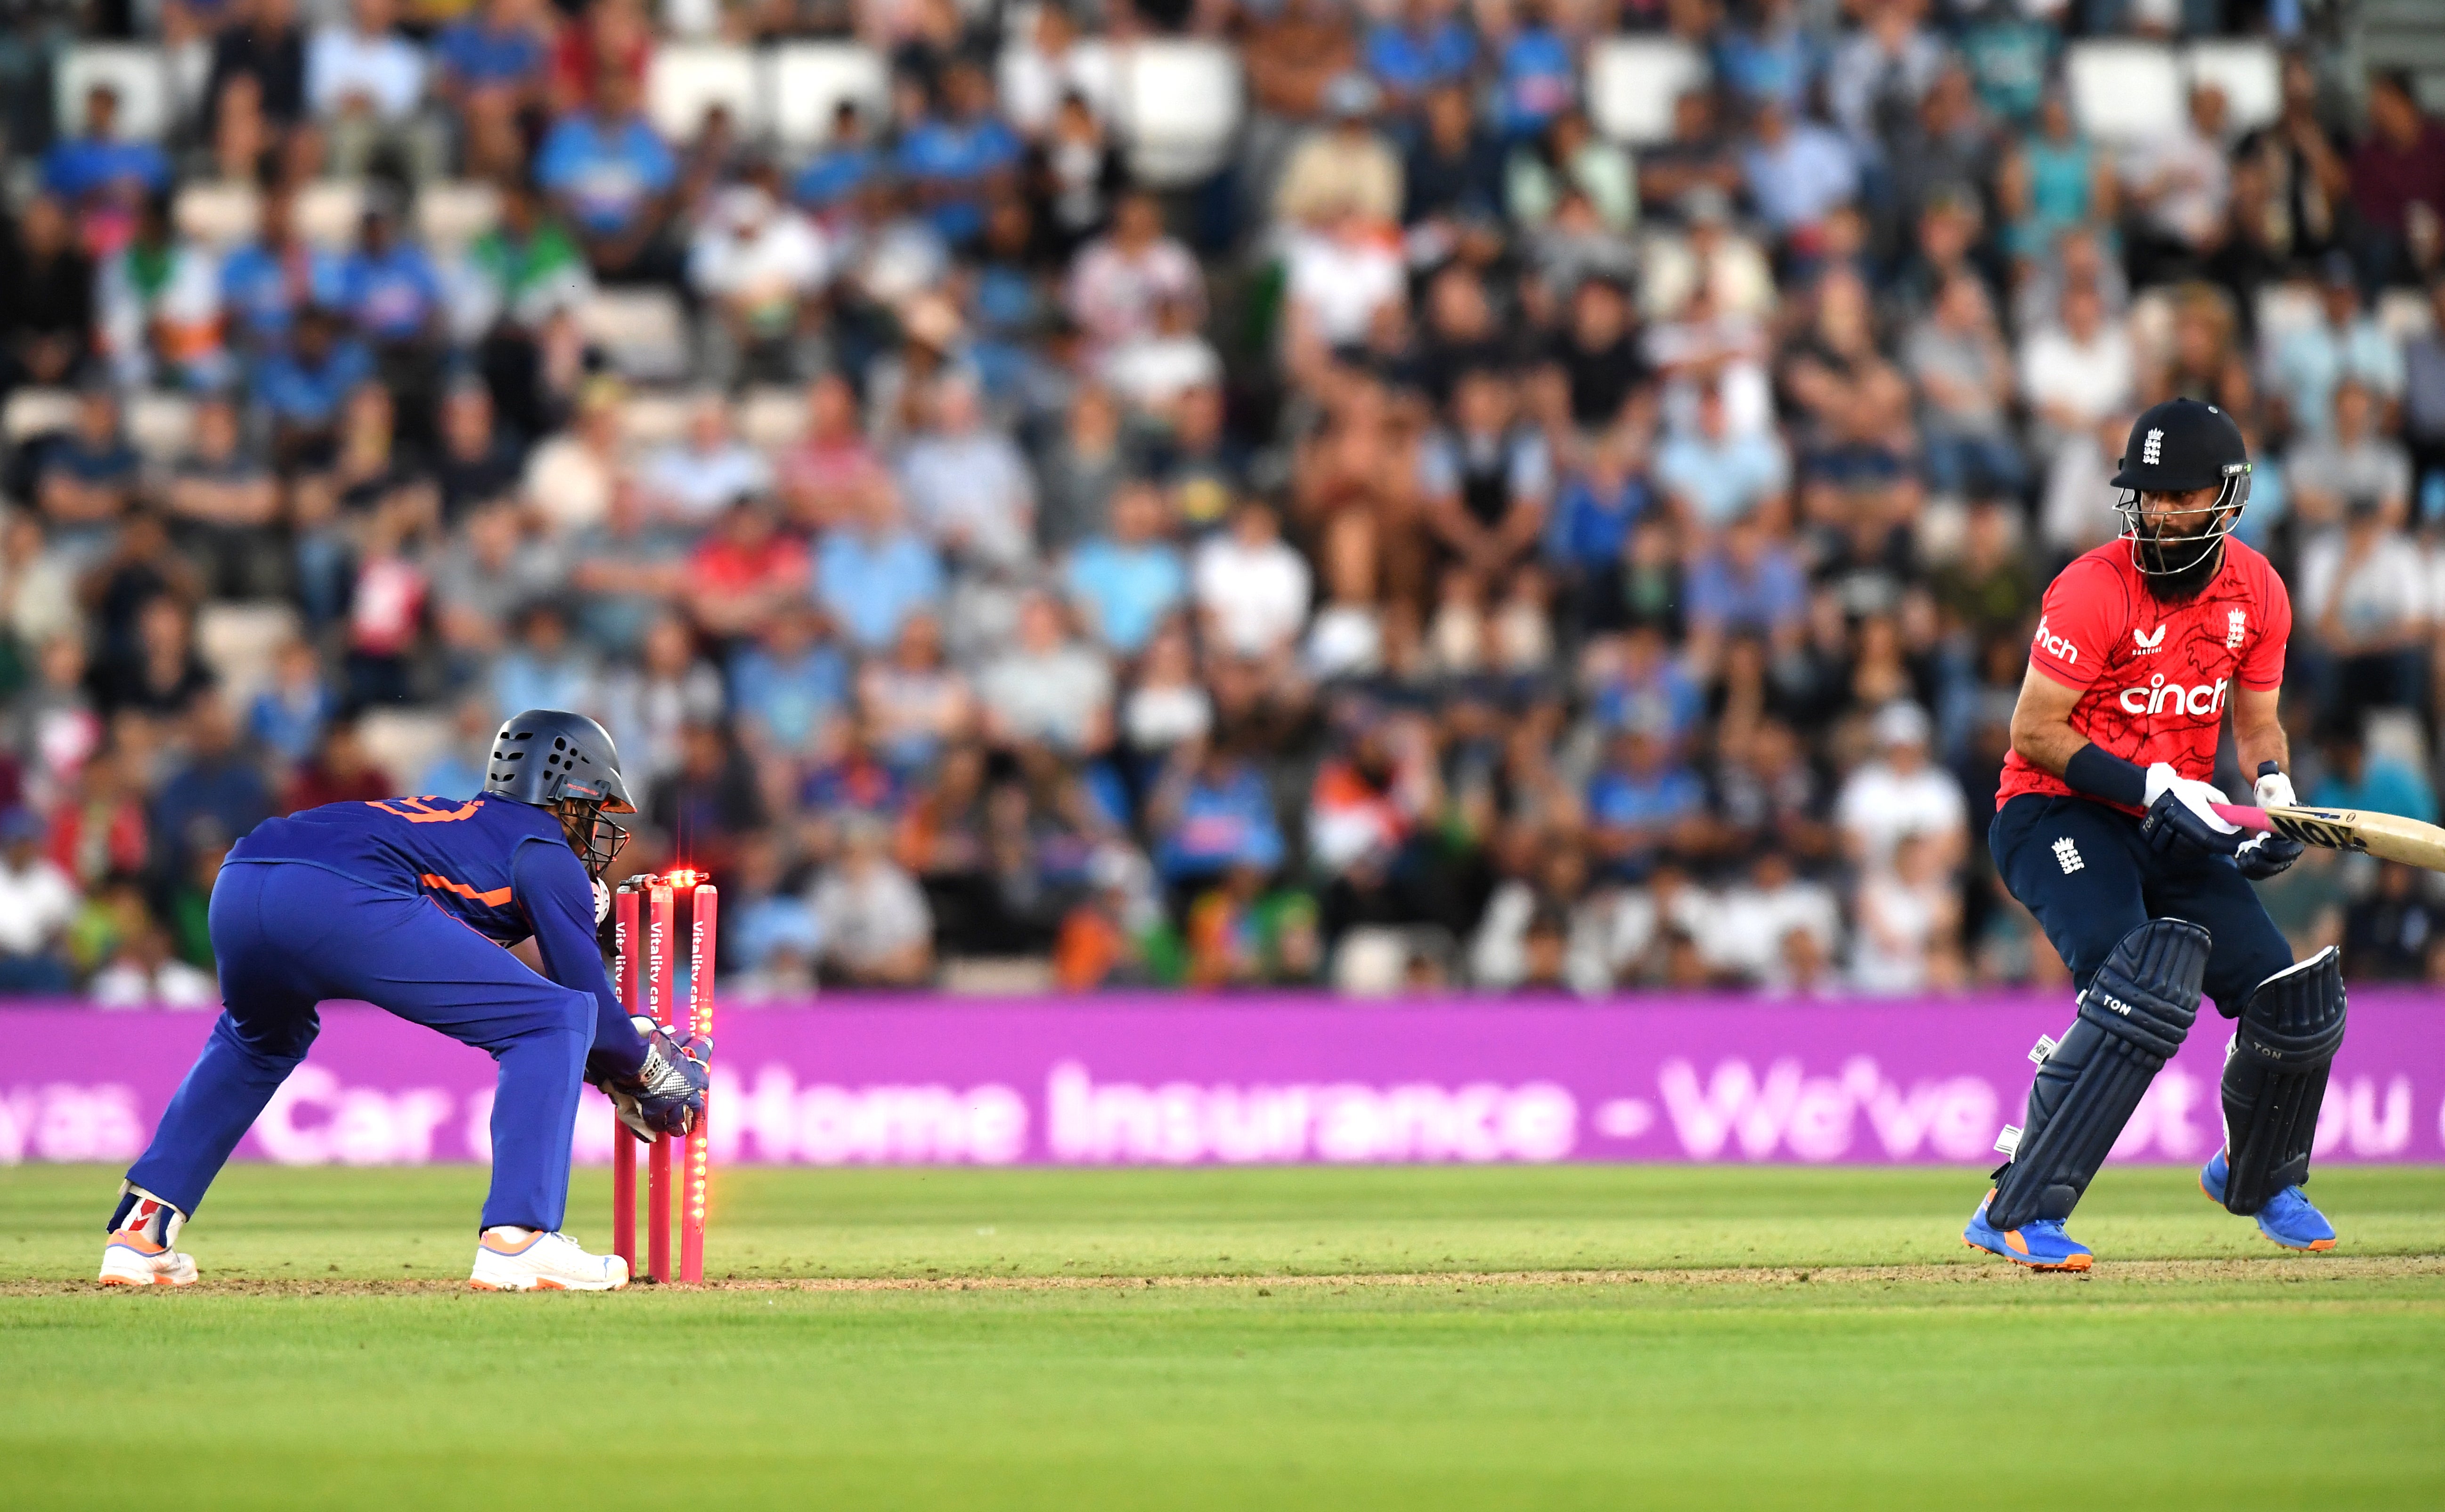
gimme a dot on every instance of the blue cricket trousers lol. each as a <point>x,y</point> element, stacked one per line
<point>2090,878</point>
<point>289,935</point>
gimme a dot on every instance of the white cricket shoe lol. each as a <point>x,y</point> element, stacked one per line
<point>533,1259</point>
<point>133,1259</point>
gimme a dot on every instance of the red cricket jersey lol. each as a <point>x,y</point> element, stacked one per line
<point>2155,674</point>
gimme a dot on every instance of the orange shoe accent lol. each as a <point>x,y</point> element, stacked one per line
<point>543,1285</point>
<point>484,1286</point>
<point>2322,1243</point>
<point>121,1281</point>
<point>499,1248</point>
<point>2012,1236</point>
<point>138,1243</point>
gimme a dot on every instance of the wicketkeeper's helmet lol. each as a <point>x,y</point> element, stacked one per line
<point>543,756</point>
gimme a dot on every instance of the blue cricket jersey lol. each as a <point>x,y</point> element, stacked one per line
<point>502,868</point>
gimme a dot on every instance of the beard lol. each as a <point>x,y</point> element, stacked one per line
<point>2179,587</point>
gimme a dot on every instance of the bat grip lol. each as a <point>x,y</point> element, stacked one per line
<point>2244,815</point>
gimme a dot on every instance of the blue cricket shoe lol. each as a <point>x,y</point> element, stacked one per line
<point>2290,1218</point>
<point>2040,1244</point>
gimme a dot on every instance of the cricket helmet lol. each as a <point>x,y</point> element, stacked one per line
<point>2177,447</point>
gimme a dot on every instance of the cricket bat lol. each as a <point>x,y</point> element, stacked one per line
<point>2387,836</point>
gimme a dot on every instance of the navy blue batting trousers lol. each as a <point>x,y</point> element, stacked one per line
<point>2084,869</point>
<point>289,936</point>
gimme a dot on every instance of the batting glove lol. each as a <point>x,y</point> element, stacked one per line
<point>2181,816</point>
<point>2262,856</point>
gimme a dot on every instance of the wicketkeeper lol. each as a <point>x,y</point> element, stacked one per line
<point>2104,829</point>
<point>408,904</point>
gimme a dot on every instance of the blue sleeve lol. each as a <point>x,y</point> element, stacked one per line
<point>1703,595</point>
<point>1790,590</point>
<point>275,389</point>
<point>556,162</point>
<point>559,901</point>
<point>1559,544</point>
<point>998,148</point>
<point>236,269</point>
<point>652,158</point>
<point>61,174</point>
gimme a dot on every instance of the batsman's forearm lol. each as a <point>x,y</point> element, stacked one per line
<point>2263,743</point>
<point>2047,744</point>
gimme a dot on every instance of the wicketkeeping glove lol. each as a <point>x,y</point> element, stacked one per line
<point>2181,818</point>
<point>2262,856</point>
<point>667,1092</point>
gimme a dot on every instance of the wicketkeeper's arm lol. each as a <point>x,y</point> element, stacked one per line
<point>551,883</point>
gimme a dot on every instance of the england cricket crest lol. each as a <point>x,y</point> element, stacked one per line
<point>2236,630</point>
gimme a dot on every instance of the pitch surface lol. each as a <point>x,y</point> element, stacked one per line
<point>1419,1339</point>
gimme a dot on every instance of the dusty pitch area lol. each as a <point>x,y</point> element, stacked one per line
<point>2279,1269</point>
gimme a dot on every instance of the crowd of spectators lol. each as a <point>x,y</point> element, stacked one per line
<point>1446,549</point>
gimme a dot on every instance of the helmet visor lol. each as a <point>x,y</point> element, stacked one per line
<point>2167,542</point>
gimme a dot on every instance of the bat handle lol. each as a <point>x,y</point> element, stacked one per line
<point>2244,815</point>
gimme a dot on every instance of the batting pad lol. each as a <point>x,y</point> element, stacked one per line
<point>2132,1017</point>
<point>2275,1078</point>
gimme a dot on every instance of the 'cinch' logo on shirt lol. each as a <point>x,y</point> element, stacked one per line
<point>2054,645</point>
<point>2200,702</point>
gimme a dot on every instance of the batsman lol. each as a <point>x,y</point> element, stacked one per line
<point>408,904</point>
<point>2104,829</point>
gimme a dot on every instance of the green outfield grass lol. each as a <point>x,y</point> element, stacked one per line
<point>1409,1339</point>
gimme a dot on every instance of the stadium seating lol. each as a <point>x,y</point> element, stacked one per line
<point>452,214</point>
<point>641,330</point>
<point>159,423</point>
<point>35,412</point>
<point>405,742</point>
<point>239,639</point>
<point>772,418</point>
<point>654,418</point>
<point>1633,82</point>
<point>807,82</point>
<point>2125,92</point>
<point>688,80</point>
<point>329,211</point>
<point>138,72</point>
<point>219,213</point>
<point>2248,71</point>
<point>1179,105</point>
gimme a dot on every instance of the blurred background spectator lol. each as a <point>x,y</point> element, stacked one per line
<point>1512,497</point>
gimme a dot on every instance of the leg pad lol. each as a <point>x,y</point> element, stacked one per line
<point>2134,1014</point>
<point>2275,1078</point>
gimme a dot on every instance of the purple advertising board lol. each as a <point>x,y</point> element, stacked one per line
<point>1190,1080</point>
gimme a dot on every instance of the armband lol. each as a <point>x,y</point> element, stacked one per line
<point>2101,773</point>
